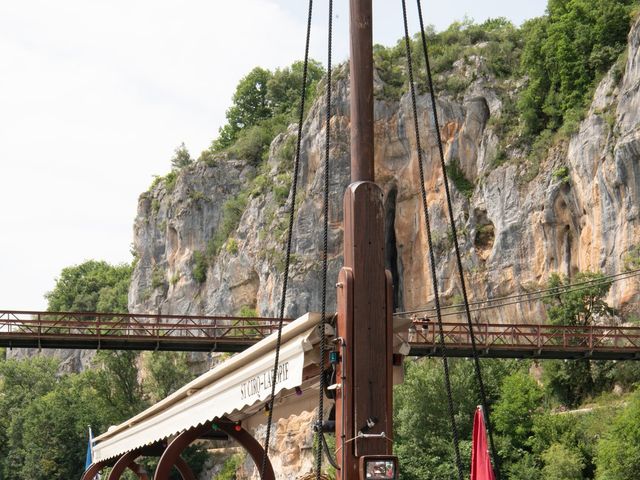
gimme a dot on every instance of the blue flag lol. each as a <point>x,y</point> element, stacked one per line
<point>89,460</point>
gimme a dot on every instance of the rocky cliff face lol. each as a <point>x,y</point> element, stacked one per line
<point>576,210</point>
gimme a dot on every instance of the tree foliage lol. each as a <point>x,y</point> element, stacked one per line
<point>167,371</point>
<point>91,286</point>
<point>580,301</point>
<point>520,398</point>
<point>181,157</point>
<point>565,52</point>
<point>423,438</point>
<point>263,105</point>
<point>577,303</point>
<point>562,463</point>
<point>618,454</point>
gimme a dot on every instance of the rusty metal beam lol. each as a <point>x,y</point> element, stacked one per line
<point>88,330</point>
<point>597,342</point>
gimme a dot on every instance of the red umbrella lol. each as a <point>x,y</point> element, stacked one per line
<point>481,468</point>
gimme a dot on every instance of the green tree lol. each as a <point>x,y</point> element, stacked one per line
<point>578,306</point>
<point>565,53</point>
<point>284,87</point>
<point>96,286</point>
<point>89,287</point>
<point>181,157</point>
<point>21,382</point>
<point>53,430</point>
<point>520,397</point>
<point>618,453</point>
<point>249,107</point>
<point>168,371</point>
<point>423,437</point>
<point>115,379</point>
<point>562,463</point>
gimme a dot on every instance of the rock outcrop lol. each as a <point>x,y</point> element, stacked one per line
<point>575,209</point>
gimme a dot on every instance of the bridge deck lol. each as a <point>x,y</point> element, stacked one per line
<point>595,342</point>
<point>109,331</point>
<point>233,334</point>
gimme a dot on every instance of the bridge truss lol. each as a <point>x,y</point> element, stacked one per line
<point>113,331</point>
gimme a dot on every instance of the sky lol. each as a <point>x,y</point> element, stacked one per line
<point>95,95</point>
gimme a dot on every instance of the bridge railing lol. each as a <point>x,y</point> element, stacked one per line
<point>70,324</point>
<point>526,336</point>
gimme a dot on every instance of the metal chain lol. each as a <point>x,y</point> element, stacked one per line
<point>476,359</point>
<point>294,189</point>
<point>434,279</point>
<point>325,252</point>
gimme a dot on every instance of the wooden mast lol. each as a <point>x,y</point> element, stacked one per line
<point>365,300</point>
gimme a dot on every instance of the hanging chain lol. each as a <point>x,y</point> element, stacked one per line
<point>325,253</point>
<point>476,359</point>
<point>294,189</point>
<point>432,261</point>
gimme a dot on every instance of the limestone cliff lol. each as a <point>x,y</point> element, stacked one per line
<point>576,210</point>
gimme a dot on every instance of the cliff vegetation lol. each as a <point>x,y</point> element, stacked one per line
<point>542,144</point>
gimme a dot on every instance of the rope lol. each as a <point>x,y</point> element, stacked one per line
<point>476,360</point>
<point>432,261</point>
<point>294,189</point>
<point>541,294</point>
<point>325,253</point>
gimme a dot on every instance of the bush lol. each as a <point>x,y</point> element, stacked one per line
<point>252,144</point>
<point>561,174</point>
<point>170,181</point>
<point>561,463</point>
<point>232,246</point>
<point>200,266</point>
<point>157,277</point>
<point>457,177</point>
<point>230,467</point>
<point>181,157</point>
<point>618,453</point>
<point>232,211</point>
<point>631,259</point>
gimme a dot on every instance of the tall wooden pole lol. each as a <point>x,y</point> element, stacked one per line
<point>363,405</point>
<point>362,168</point>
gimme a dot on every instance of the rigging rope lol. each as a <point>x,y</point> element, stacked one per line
<point>476,360</point>
<point>320,440</point>
<point>540,294</point>
<point>294,189</point>
<point>432,261</point>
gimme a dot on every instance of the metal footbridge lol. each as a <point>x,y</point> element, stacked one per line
<point>113,331</point>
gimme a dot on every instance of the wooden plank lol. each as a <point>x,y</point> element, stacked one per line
<point>364,254</point>
<point>347,462</point>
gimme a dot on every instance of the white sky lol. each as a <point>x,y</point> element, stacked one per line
<point>96,94</point>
